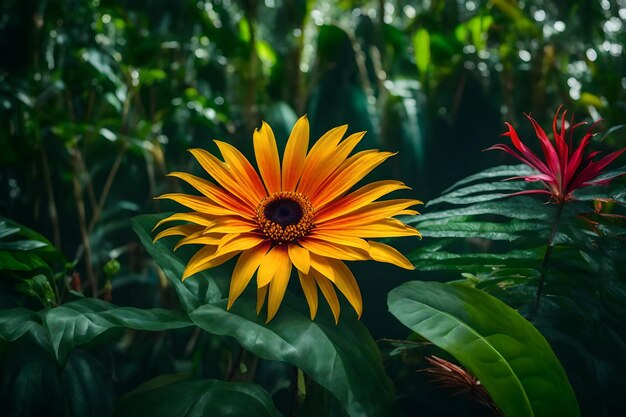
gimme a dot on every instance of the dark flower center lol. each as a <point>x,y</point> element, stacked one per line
<point>284,212</point>
<point>285,216</point>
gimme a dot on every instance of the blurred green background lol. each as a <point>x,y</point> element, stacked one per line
<point>100,99</point>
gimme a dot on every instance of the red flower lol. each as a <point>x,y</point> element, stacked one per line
<point>563,169</point>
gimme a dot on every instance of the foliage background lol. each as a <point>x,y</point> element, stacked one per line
<point>100,99</point>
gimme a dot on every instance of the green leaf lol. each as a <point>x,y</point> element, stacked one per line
<point>504,171</point>
<point>6,230</point>
<point>519,207</point>
<point>17,322</point>
<point>463,195</point>
<point>32,240</point>
<point>332,355</point>
<point>518,17</point>
<point>504,351</point>
<point>196,290</point>
<point>60,329</point>
<point>614,191</point>
<point>22,245</point>
<point>421,47</point>
<point>610,131</point>
<point>588,99</point>
<point>176,396</point>
<point>39,287</point>
<point>35,385</point>
<point>21,261</point>
<point>244,30</point>
<point>266,54</point>
<point>479,26</point>
<point>476,262</point>
<point>486,230</point>
<point>79,322</point>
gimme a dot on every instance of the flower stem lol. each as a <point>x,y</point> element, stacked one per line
<point>293,403</point>
<point>235,365</point>
<point>546,256</point>
<point>82,223</point>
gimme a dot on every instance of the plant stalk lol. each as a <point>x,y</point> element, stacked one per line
<point>105,191</point>
<point>546,256</point>
<point>293,403</point>
<point>52,206</point>
<point>235,365</point>
<point>82,222</point>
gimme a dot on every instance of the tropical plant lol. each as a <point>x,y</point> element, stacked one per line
<point>100,99</point>
<point>514,246</point>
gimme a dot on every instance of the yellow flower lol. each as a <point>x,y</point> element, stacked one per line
<point>302,216</point>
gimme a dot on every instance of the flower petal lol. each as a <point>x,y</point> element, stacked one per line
<point>205,259</point>
<point>329,293</point>
<point>591,171</point>
<point>201,204</point>
<point>549,152</point>
<point>193,217</point>
<point>559,137</point>
<point>199,238</point>
<point>407,213</point>
<point>239,242</point>
<point>295,154</point>
<point>351,172</point>
<point>182,230</point>
<point>278,284</point>
<point>231,224</point>
<point>220,172</point>
<point>378,229</point>
<point>214,193</point>
<point>241,167</point>
<point>358,199</point>
<point>573,173</point>
<point>246,266</point>
<point>528,155</point>
<point>300,257</point>
<point>331,162</point>
<point>322,265</point>
<point>260,298</point>
<point>331,250</point>
<point>315,162</point>
<point>385,253</point>
<point>275,260</point>
<point>267,160</point>
<point>526,192</point>
<point>345,282</point>
<point>341,240</point>
<point>374,211</point>
<point>309,287</point>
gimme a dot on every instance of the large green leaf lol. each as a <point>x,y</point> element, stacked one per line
<point>17,322</point>
<point>486,230</point>
<point>442,260</point>
<point>30,240</point>
<point>504,171</point>
<point>33,384</point>
<point>79,322</point>
<point>480,192</point>
<point>196,290</point>
<point>341,358</point>
<point>61,328</point>
<point>21,261</point>
<point>176,396</point>
<point>519,207</point>
<point>333,355</point>
<point>506,353</point>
